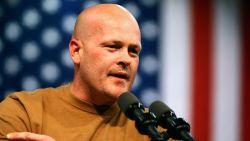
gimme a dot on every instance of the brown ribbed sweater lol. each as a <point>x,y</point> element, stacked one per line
<point>57,113</point>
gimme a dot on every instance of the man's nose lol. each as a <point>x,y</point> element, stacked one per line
<point>124,59</point>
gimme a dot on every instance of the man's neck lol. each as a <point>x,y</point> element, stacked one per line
<point>84,94</point>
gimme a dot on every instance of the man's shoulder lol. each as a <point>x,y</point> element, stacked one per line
<point>23,111</point>
<point>32,98</point>
<point>36,94</point>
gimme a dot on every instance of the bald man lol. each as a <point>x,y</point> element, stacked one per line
<point>104,48</point>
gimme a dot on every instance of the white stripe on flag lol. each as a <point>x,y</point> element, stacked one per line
<point>175,55</point>
<point>226,72</point>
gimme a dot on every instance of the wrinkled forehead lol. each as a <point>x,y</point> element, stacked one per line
<point>104,23</point>
<point>115,30</point>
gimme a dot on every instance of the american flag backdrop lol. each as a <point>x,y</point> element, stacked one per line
<point>34,43</point>
<point>205,70</point>
<point>195,56</point>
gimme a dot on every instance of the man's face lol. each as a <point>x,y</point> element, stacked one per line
<point>110,58</point>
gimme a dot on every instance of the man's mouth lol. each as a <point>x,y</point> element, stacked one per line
<point>121,75</point>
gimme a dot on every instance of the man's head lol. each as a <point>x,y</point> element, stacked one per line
<point>105,48</point>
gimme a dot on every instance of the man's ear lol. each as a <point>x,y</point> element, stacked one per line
<point>74,48</point>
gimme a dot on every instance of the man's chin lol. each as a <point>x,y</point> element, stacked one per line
<point>116,92</point>
<point>111,96</point>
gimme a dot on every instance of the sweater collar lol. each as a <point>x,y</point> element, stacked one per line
<point>105,111</point>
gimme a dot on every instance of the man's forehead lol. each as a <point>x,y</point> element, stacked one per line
<point>105,19</point>
<point>104,12</point>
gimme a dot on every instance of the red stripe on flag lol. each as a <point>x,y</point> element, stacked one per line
<point>202,66</point>
<point>245,104</point>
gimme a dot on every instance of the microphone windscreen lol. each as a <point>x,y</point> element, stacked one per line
<point>125,100</point>
<point>159,108</point>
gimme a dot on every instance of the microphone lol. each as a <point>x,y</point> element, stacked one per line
<point>145,122</point>
<point>177,128</point>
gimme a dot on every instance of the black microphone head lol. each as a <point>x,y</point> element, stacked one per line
<point>126,101</point>
<point>177,128</point>
<point>159,108</point>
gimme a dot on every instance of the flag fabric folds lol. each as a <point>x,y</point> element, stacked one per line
<point>205,76</point>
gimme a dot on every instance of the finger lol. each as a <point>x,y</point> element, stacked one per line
<point>23,136</point>
<point>28,136</point>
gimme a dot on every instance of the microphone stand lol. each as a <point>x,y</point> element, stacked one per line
<point>146,123</point>
<point>183,128</point>
<point>180,131</point>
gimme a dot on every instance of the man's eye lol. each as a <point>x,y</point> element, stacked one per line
<point>112,46</point>
<point>134,51</point>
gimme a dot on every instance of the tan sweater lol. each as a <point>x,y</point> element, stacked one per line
<point>57,113</point>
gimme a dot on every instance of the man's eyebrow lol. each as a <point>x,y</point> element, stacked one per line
<point>112,42</point>
<point>135,46</point>
<point>121,43</point>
